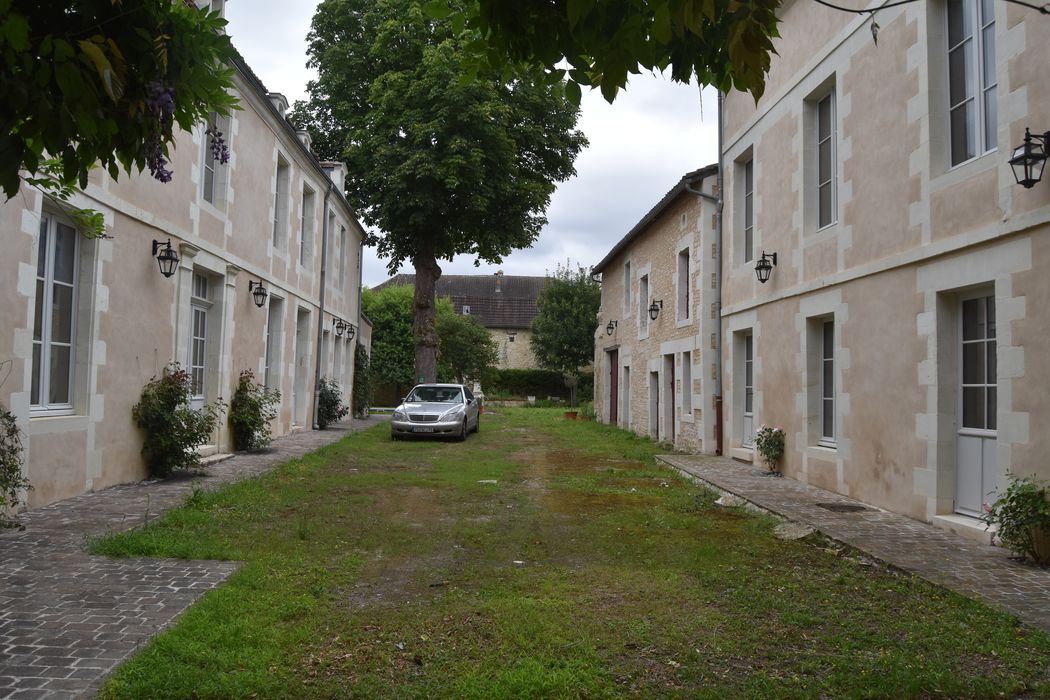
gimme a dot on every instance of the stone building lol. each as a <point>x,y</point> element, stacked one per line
<point>503,304</point>
<point>901,339</point>
<point>654,357</point>
<point>89,322</point>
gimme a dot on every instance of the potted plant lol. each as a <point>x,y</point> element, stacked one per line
<point>769,442</point>
<point>1022,515</point>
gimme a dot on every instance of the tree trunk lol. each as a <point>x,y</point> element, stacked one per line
<point>424,324</point>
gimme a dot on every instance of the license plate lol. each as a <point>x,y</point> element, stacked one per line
<point>418,429</point>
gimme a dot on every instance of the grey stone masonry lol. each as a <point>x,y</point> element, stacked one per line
<point>68,619</point>
<point>969,568</point>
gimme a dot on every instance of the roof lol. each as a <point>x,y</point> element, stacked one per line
<point>689,179</point>
<point>496,301</point>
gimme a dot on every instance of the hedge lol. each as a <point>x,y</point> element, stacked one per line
<point>541,383</point>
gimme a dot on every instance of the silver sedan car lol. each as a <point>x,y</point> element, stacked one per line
<point>448,410</point>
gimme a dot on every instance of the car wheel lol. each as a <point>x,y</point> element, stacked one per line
<point>477,424</point>
<point>395,436</point>
<point>463,431</point>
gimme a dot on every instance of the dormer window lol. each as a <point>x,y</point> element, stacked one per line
<point>466,310</point>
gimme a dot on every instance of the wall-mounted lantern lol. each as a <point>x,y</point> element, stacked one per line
<point>764,266</point>
<point>338,326</point>
<point>350,330</point>
<point>167,260</point>
<point>258,292</point>
<point>654,308</point>
<point>1029,159</point>
<point>611,327</point>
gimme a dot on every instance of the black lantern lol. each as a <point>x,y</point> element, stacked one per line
<point>258,292</point>
<point>654,308</point>
<point>764,266</point>
<point>350,330</point>
<point>1029,159</point>
<point>611,327</point>
<point>167,260</point>
<point>339,327</point>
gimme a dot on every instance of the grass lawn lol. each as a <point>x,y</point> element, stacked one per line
<point>382,569</point>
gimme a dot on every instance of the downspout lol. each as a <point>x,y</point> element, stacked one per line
<point>717,201</point>
<point>320,313</point>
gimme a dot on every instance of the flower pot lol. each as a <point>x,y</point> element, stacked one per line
<point>571,415</point>
<point>1041,544</point>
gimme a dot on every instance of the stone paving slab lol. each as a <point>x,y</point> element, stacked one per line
<point>967,567</point>
<point>68,619</point>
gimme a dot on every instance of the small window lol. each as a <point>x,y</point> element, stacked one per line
<point>683,285</point>
<point>687,383</point>
<point>643,301</point>
<point>306,228</point>
<point>825,141</point>
<point>747,171</point>
<point>466,310</point>
<point>54,332</point>
<point>827,383</point>
<point>216,140</point>
<point>510,338</point>
<point>280,202</point>
<point>342,257</point>
<point>627,287</point>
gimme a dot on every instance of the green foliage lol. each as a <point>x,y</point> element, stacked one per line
<point>173,431</point>
<point>84,83</point>
<point>521,383</point>
<point>1024,507</point>
<point>12,482</point>
<point>769,442</point>
<point>330,406</point>
<point>563,330</point>
<point>252,408</point>
<point>362,381</point>
<point>465,349</point>
<point>724,43</point>
<point>393,356</point>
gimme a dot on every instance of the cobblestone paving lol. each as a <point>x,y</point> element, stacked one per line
<point>67,619</point>
<point>964,566</point>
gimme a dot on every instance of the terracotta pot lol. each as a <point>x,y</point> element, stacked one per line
<point>571,415</point>
<point>1041,544</point>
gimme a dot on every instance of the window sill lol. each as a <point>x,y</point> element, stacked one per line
<point>825,452</point>
<point>963,171</point>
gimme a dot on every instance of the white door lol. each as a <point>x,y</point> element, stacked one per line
<point>198,350</point>
<point>748,437</point>
<point>976,471</point>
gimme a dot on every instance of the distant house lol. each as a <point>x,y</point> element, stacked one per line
<point>504,304</point>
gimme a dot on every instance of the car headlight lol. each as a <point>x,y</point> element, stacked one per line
<point>399,414</point>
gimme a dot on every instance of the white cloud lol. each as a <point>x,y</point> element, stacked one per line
<point>639,146</point>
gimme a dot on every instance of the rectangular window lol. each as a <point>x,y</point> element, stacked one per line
<point>342,257</point>
<point>54,334</point>
<point>687,383</point>
<point>749,209</point>
<point>280,202</point>
<point>683,285</point>
<point>826,190</point>
<point>979,375</point>
<point>827,382</point>
<point>306,227</point>
<point>627,287</point>
<point>272,372</point>
<point>214,170</point>
<point>748,436</point>
<point>972,80</point>
<point>643,301</point>
<point>199,307</point>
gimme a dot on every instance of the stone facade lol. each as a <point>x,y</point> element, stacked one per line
<point>901,338</point>
<point>656,377</point>
<point>89,322</point>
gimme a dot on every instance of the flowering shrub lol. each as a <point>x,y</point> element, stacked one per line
<point>173,430</point>
<point>1021,513</point>
<point>769,442</point>
<point>12,483</point>
<point>252,408</point>
<point>330,407</point>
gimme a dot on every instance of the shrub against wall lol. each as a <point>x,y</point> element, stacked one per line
<point>540,383</point>
<point>12,483</point>
<point>330,407</point>
<point>173,430</point>
<point>251,410</point>
<point>362,381</point>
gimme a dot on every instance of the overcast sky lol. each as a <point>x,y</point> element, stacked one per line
<point>639,146</point>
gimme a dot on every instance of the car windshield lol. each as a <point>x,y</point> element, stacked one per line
<point>437,394</point>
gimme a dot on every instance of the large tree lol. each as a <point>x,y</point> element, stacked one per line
<point>442,161</point>
<point>563,330</point>
<point>104,82</point>
<point>465,347</point>
<point>725,43</point>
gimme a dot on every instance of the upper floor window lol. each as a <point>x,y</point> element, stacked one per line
<point>306,229</point>
<point>54,316</point>
<point>627,287</point>
<point>342,257</point>
<point>825,142</point>
<point>216,153</point>
<point>643,301</point>
<point>747,175</point>
<point>683,284</point>
<point>280,201</point>
<point>972,82</point>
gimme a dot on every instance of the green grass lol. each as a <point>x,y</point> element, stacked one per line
<point>381,569</point>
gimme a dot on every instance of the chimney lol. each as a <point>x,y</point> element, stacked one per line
<point>304,136</point>
<point>499,281</point>
<point>279,102</point>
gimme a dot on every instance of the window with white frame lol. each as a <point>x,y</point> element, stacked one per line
<point>643,301</point>
<point>627,287</point>
<point>54,332</point>
<point>280,202</point>
<point>215,172</point>
<point>342,257</point>
<point>274,322</point>
<point>746,171</point>
<point>972,80</point>
<point>687,383</point>
<point>827,383</point>
<point>200,305</point>
<point>306,225</point>
<point>683,284</point>
<point>827,194</point>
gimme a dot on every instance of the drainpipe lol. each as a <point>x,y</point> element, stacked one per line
<point>320,313</point>
<point>718,200</point>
